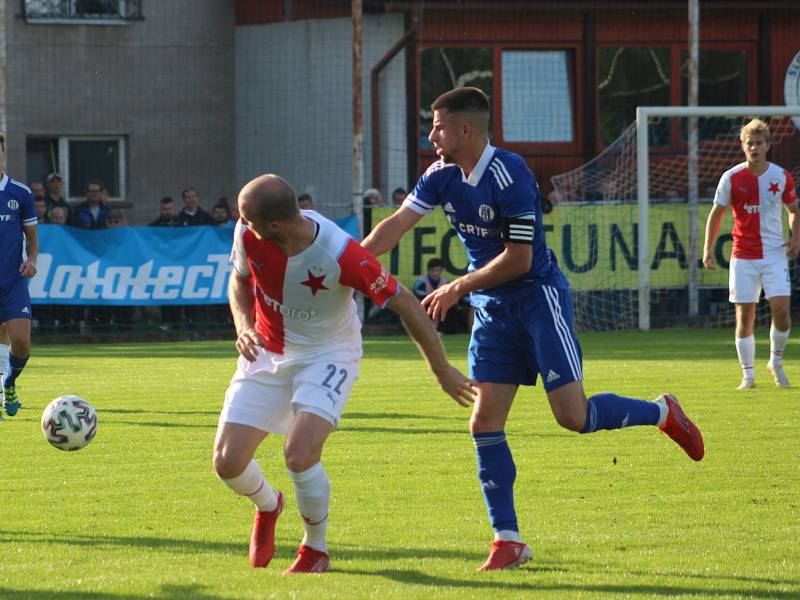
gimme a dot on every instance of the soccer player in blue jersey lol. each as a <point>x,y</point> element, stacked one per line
<point>523,318</point>
<point>17,226</point>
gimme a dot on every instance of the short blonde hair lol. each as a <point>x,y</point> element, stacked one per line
<point>755,127</point>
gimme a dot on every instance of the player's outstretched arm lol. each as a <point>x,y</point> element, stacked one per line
<point>388,232</point>
<point>712,231</point>
<point>240,295</point>
<point>420,328</point>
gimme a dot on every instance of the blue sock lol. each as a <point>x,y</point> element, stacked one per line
<point>609,411</point>
<point>496,472</point>
<point>16,365</point>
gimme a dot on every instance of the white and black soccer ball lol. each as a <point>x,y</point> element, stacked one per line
<point>69,422</point>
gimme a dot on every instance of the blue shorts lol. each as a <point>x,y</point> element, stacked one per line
<point>15,301</point>
<point>515,343</point>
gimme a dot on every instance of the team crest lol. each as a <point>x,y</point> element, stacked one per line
<point>13,204</point>
<point>486,213</point>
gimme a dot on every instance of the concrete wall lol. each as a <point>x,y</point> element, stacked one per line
<point>294,105</point>
<point>166,83</point>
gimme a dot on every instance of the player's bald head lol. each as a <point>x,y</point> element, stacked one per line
<point>268,198</point>
<point>467,103</point>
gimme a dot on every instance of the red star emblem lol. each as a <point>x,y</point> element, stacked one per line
<point>773,187</point>
<point>315,283</point>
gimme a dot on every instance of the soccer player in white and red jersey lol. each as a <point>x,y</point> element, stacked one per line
<point>757,190</point>
<point>299,340</point>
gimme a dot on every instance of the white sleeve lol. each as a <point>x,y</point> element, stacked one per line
<point>238,256</point>
<point>722,197</point>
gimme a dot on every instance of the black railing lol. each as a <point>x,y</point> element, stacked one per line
<point>82,10</point>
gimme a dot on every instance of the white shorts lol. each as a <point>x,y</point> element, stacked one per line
<point>267,393</point>
<point>748,276</point>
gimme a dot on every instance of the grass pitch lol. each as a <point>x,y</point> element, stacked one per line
<point>140,514</point>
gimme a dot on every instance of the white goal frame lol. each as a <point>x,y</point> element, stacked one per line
<point>643,113</point>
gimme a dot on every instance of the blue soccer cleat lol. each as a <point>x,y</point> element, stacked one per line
<point>11,403</point>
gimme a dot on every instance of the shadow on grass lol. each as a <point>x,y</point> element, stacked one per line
<point>144,411</point>
<point>414,577</point>
<point>166,424</point>
<point>167,592</point>
<point>385,415</point>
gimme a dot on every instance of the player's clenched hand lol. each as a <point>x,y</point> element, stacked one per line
<point>440,300</point>
<point>458,387</point>
<point>792,247</point>
<point>708,261</point>
<point>248,344</point>
<point>27,268</point>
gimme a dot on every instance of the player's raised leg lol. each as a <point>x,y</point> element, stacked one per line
<point>303,452</point>
<point>497,473</point>
<point>746,343</point>
<point>234,464</point>
<point>19,333</point>
<point>778,336</point>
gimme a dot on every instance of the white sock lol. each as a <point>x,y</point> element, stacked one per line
<point>746,349</point>
<point>251,483</point>
<point>507,535</point>
<point>313,491</point>
<point>777,344</point>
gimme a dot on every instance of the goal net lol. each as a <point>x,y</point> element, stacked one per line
<point>629,225</point>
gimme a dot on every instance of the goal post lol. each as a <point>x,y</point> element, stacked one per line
<point>628,225</point>
<point>643,116</point>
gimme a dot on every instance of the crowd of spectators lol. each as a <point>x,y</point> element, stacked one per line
<point>96,213</point>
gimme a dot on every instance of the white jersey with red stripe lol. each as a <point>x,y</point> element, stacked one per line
<point>757,203</point>
<point>304,303</point>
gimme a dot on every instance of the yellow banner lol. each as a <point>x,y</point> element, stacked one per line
<point>596,246</point>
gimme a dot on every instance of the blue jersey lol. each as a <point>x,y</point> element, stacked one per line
<point>497,204</point>
<point>16,211</point>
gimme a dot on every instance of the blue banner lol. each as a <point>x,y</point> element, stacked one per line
<point>129,266</point>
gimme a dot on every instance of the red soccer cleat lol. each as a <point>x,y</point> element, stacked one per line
<point>681,429</point>
<point>262,541</point>
<point>506,555</point>
<point>309,561</point>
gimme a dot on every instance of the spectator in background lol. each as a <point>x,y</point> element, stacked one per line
<point>57,215</point>
<point>92,213</point>
<point>221,213</point>
<point>457,318</point>
<point>398,195</point>
<point>54,197</point>
<point>167,216</point>
<point>192,214</point>
<point>305,202</point>
<point>115,219</point>
<point>373,198</point>
<point>41,210</point>
<point>37,191</point>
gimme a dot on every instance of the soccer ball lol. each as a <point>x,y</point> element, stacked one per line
<point>69,423</point>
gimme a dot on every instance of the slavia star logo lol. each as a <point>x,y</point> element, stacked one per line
<point>774,187</point>
<point>315,283</point>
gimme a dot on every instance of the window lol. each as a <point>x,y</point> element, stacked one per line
<point>442,69</point>
<point>79,160</point>
<point>105,12</point>
<point>536,96</point>
<point>631,77</point>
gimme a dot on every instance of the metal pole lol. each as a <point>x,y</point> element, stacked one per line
<point>642,165</point>
<point>358,129</point>
<point>693,170</point>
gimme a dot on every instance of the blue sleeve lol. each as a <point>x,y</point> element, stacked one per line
<point>425,195</point>
<point>27,208</point>
<point>521,198</point>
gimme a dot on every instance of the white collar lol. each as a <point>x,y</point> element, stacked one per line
<point>3,182</point>
<point>480,166</point>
